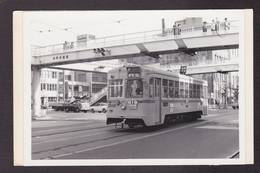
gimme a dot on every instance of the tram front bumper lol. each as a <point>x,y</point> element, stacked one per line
<point>135,121</point>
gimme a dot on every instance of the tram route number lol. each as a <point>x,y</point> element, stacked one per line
<point>132,104</point>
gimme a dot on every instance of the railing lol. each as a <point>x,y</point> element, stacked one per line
<point>98,95</point>
<point>207,63</point>
<point>132,38</point>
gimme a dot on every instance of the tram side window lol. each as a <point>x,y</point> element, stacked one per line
<point>176,89</point>
<point>165,88</point>
<point>157,87</point>
<point>151,87</point>
<point>194,91</point>
<point>116,88</point>
<point>191,90</point>
<point>171,88</point>
<point>181,90</point>
<point>186,90</point>
<point>198,91</point>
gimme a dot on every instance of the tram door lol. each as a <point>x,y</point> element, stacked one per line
<point>158,101</point>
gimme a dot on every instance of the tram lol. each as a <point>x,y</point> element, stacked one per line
<point>141,95</point>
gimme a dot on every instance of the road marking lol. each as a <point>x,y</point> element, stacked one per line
<point>134,139</point>
<point>218,127</point>
<point>71,131</point>
<point>63,139</point>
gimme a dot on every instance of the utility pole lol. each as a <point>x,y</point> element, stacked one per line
<point>163,26</point>
<point>225,89</point>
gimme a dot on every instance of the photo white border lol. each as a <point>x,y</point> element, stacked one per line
<point>22,101</point>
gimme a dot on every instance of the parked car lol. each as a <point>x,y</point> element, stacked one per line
<point>235,105</point>
<point>57,106</point>
<point>74,106</point>
<point>99,107</point>
<point>85,106</point>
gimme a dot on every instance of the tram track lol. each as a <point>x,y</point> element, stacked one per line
<point>70,131</point>
<point>82,143</point>
<point>67,148</point>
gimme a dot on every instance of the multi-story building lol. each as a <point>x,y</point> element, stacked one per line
<point>60,85</point>
<point>49,86</point>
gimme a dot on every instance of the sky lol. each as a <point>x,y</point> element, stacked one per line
<point>53,27</point>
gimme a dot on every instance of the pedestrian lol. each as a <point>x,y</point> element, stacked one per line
<point>179,29</point>
<point>204,27</point>
<point>212,26</point>
<point>226,24</point>
<point>174,30</point>
<point>217,25</point>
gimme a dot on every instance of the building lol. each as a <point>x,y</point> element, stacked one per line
<point>60,85</point>
<point>49,86</point>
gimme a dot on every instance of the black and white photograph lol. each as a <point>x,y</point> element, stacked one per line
<point>148,87</point>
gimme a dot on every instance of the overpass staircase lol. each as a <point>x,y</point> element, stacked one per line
<point>99,96</point>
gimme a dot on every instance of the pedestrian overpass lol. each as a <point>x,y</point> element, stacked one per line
<point>150,43</point>
<point>209,68</point>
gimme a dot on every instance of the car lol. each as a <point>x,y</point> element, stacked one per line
<point>99,107</point>
<point>85,106</point>
<point>74,106</point>
<point>235,106</point>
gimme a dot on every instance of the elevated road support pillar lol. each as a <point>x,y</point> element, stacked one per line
<point>36,93</point>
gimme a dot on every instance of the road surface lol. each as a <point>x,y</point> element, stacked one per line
<point>212,136</point>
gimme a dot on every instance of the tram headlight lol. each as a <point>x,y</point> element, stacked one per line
<point>123,107</point>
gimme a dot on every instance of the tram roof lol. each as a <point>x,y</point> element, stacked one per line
<point>153,69</point>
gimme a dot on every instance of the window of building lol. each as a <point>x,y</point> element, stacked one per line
<point>82,77</point>
<point>99,77</point>
<point>76,88</point>
<point>68,77</point>
<point>60,76</point>
<point>53,74</point>
<point>85,88</point>
<point>165,88</point>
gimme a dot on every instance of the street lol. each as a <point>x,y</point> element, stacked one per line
<point>86,136</point>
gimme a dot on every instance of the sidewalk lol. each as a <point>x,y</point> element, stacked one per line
<point>71,116</point>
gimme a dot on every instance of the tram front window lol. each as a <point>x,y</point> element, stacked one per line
<point>116,88</point>
<point>134,88</point>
